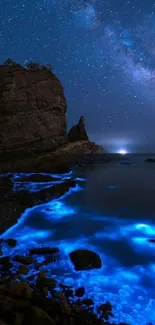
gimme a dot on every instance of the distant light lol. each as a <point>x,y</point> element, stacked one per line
<point>123,152</point>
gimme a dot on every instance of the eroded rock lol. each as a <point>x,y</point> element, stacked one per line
<point>43,282</point>
<point>150,160</point>
<point>84,259</point>
<point>11,242</point>
<point>33,111</point>
<point>26,260</point>
<point>78,132</point>
<point>36,315</point>
<point>20,289</point>
<point>79,292</point>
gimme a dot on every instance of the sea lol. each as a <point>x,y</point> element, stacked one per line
<point>111,211</point>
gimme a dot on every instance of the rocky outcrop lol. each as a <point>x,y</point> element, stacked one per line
<point>150,160</point>
<point>29,295</point>
<point>78,132</point>
<point>84,259</point>
<point>32,111</point>
<point>33,134</point>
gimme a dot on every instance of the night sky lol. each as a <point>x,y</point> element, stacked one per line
<point>103,51</point>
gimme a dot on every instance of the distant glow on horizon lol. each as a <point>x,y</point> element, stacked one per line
<point>123,152</point>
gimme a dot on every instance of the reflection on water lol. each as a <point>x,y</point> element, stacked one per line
<point>113,215</point>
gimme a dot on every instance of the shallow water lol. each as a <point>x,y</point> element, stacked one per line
<point>112,211</point>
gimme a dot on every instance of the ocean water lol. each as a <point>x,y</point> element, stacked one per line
<point>112,212</point>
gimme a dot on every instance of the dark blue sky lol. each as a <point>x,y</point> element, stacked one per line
<point>103,51</point>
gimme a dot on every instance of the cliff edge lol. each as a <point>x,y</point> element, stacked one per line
<point>33,119</point>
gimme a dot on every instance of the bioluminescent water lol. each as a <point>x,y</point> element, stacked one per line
<point>112,212</point>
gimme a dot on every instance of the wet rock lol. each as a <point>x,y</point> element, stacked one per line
<point>11,242</point>
<point>5,263</point>
<point>30,199</point>
<point>151,241</point>
<point>79,292</point>
<point>38,178</point>
<point>44,250</point>
<point>43,282</point>
<point>69,293</point>
<point>22,304</point>
<point>65,308</point>
<point>39,300</point>
<point>88,302</point>
<point>150,160</point>
<point>6,304</point>
<point>20,289</point>
<point>35,315</point>
<point>23,269</point>
<point>84,259</point>
<point>106,310</point>
<point>26,260</point>
<point>59,295</point>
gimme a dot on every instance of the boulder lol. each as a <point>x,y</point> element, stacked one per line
<point>25,260</point>
<point>43,282</point>
<point>151,241</point>
<point>150,160</point>
<point>78,132</point>
<point>79,292</point>
<point>5,263</point>
<point>35,315</point>
<point>84,259</point>
<point>11,242</point>
<point>20,289</point>
<point>23,269</point>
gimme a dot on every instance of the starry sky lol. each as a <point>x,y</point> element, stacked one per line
<point>103,51</point>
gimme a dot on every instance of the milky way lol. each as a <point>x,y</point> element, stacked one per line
<point>104,54</point>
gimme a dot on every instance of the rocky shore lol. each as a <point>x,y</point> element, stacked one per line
<point>33,144</point>
<point>29,292</point>
<point>30,295</point>
<point>33,124</point>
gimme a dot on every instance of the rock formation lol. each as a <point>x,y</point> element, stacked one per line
<point>33,128</point>
<point>32,111</point>
<point>78,132</point>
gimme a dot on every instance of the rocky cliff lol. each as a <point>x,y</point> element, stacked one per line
<point>78,132</point>
<point>32,110</point>
<point>33,120</point>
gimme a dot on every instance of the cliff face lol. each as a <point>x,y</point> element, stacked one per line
<point>32,111</point>
<point>33,130</point>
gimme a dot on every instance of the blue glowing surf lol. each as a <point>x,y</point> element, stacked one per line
<point>100,214</point>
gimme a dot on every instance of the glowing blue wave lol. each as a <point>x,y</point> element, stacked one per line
<point>127,276</point>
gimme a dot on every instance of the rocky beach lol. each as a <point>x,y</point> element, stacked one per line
<point>29,292</point>
<point>33,144</point>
